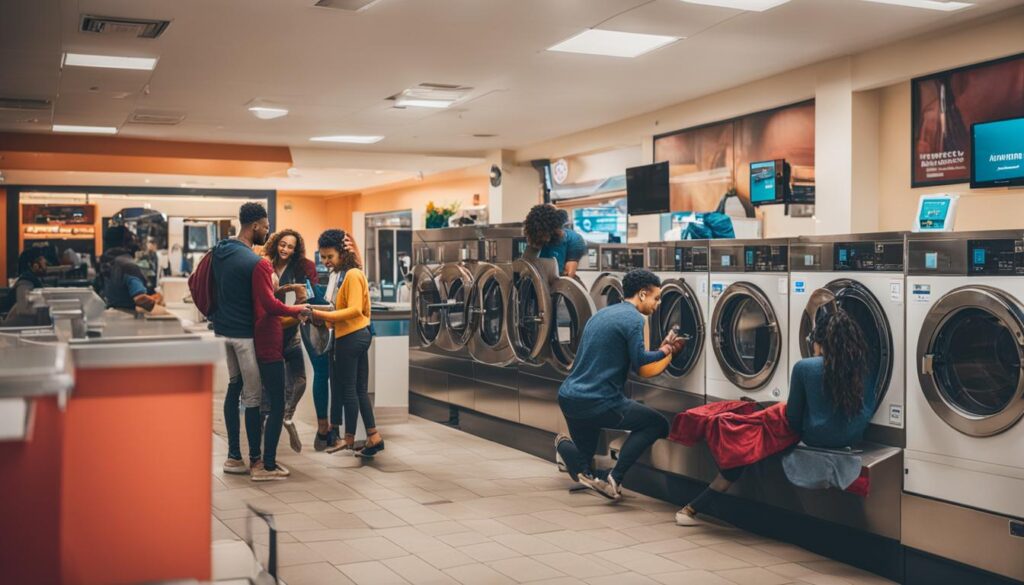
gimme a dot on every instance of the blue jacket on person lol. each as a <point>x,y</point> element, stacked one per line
<point>569,248</point>
<point>811,412</point>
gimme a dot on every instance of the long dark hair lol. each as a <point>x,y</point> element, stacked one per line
<point>270,248</point>
<point>845,352</point>
<point>335,238</point>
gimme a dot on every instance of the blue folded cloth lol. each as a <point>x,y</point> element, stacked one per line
<point>817,469</point>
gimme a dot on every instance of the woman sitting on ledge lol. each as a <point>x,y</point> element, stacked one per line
<point>828,408</point>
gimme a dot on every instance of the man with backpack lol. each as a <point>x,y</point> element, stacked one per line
<point>231,276</point>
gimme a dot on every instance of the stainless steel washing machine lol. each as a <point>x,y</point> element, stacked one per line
<point>747,356</point>
<point>863,274</point>
<point>615,260</point>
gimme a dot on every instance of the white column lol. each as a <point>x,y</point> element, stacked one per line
<point>520,189</point>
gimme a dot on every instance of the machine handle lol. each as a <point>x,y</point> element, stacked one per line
<point>927,364</point>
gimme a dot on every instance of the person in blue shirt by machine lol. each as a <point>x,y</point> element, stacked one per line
<point>123,284</point>
<point>545,229</point>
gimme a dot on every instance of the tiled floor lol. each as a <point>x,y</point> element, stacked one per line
<point>442,506</point>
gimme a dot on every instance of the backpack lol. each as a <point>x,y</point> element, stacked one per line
<point>203,287</point>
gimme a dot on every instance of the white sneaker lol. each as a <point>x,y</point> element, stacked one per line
<point>601,486</point>
<point>236,466</point>
<point>684,518</point>
<point>615,486</point>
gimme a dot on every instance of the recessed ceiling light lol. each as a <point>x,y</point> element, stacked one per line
<point>750,5</point>
<point>265,110</point>
<point>612,43</point>
<point>84,129</point>
<point>110,62</point>
<point>348,139</point>
<point>927,4</point>
<point>412,102</point>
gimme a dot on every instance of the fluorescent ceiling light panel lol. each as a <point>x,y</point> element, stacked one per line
<point>84,129</point>
<point>612,43</point>
<point>348,139</point>
<point>749,5</point>
<point>268,112</point>
<point>110,62</point>
<point>926,4</point>
<point>411,102</point>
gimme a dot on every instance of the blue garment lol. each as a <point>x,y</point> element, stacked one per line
<point>812,414</point>
<point>569,248</point>
<point>119,268</point>
<point>815,469</point>
<point>612,344</point>
<point>135,286</point>
<point>233,263</point>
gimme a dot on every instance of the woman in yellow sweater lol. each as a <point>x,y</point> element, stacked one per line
<point>351,320</point>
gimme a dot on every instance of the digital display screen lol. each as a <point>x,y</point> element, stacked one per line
<point>763,183</point>
<point>600,225</point>
<point>998,154</point>
<point>647,189</point>
<point>934,213</point>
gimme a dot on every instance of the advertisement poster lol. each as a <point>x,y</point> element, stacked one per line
<point>708,161</point>
<point>946,105</point>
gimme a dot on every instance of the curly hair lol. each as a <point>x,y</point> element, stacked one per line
<point>251,212</point>
<point>543,224</point>
<point>844,349</point>
<point>637,280</point>
<point>270,248</point>
<point>335,238</point>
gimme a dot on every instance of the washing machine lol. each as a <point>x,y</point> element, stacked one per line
<point>964,459</point>
<point>863,274</point>
<point>747,355</point>
<point>615,260</point>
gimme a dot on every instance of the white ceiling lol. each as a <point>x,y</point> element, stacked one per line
<point>334,69</point>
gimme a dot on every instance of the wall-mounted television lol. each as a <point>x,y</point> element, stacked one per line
<point>769,182</point>
<point>647,189</point>
<point>997,154</point>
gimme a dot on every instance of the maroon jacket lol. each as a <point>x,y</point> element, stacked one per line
<point>268,334</point>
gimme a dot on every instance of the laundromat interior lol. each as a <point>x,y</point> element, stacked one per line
<point>472,292</point>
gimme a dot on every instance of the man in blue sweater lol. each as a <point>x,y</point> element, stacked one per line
<point>592,397</point>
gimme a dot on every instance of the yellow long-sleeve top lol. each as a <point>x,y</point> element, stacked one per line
<point>351,306</point>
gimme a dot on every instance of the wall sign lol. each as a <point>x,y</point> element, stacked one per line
<point>945,105</point>
<point>560,171</point>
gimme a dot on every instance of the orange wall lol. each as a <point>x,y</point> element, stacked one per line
<point>308,215</point>
<point>339,212</point>
<point>417,196</point>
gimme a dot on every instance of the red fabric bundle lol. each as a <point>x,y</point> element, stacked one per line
<point>737,433</point>
<point>862,485</point>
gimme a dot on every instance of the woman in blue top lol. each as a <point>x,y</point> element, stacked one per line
<point>828,405</point>
<point>544,229</point>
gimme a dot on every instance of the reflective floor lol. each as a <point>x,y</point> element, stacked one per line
<point>442,506</point>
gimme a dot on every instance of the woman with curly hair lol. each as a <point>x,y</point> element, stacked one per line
<point>286,251</point>
<point>352,337</point>
<point>829,403</point>
<point>545,230</point>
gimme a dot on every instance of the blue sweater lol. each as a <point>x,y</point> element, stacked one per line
<point>233,263</point>
<point>570,248</point>
<point>812,414</point>
<point>612,345</point>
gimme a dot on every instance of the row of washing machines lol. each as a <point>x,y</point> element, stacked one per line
<point>495,332</point>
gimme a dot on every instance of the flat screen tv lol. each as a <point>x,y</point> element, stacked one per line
<point>647,189</point>
<point>769,182</point>
<point>997,154</point>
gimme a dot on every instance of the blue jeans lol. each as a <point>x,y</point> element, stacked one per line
<point>645,426</point>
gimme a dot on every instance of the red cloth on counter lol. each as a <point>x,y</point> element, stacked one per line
<point>862,485</point>
<point>737,433</point>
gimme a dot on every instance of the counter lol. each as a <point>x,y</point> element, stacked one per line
<point>389,361</point>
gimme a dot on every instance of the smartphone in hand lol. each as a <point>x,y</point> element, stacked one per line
<point>309,290</point>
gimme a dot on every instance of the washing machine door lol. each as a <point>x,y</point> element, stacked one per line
<point>454,281</point>
<point>679,306</point>
<point>426,307</point>
<point>746,336</point>
<point>529,313</point>
<point>607,290</point>
<point>572,307</point>
<point>864,308</point>
<point>488,299</point>
<point>969,360</point>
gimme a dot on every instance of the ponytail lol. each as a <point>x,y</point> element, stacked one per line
<point>845,352</point>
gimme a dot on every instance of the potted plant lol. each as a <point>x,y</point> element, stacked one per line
<point>437,217</point>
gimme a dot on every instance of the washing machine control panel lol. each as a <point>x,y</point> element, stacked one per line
<point>1002,257</point>
<point>766,258</point>
<point>691,259</point>
<point>868,256</point>
<point>621,259</point>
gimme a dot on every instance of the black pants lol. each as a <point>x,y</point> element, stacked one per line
<point>350,379</point>
<point>272,374</point>
<point>645,426</point>
<point>232,420</point>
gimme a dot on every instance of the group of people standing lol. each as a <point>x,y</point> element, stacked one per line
<point>267,375</point>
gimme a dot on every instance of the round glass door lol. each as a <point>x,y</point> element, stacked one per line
<point>572,307</point>
<point>746,336</point>
<point>489,342</point>
<point>970,353</point>
<point>679,307</point>
<point>867,312</point>
<point>426,302</point>
<point>529,311</point>
<point>607,290</point>
<point>454,283</point>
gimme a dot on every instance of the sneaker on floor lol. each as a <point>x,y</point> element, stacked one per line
<point>565,450</point>
<point>236,466</point>
<point>261,473</point>
<point>293,436</point>
<point>367,452</point>
<point>684,518</point>
<point>600,486</point>
<point>338,445</point>
<point>615,485</point>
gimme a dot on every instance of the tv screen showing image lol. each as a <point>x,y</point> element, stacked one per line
<point>997,154</point>
<point>647,189</point>
<point>764,183</point>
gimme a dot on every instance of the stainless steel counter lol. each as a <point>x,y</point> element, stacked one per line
<point>29,369</point>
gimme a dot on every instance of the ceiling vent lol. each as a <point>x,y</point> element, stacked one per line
<point>156,117</point>
<point>427,94</point>
<point>349,5</point>
<point>141,28</point>
<point>24,104</point>
<point>485,135</point>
